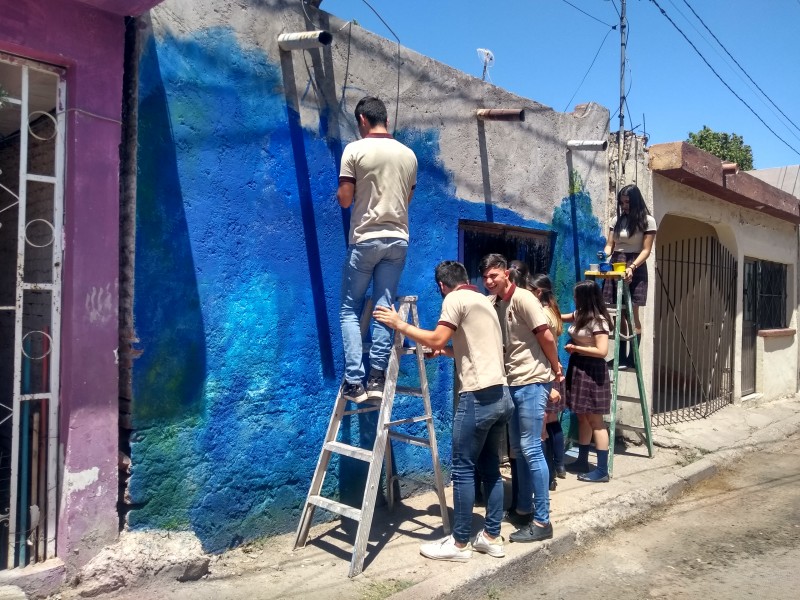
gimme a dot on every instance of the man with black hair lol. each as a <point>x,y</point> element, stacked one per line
<point>484,406</point>
<point>531,362</point>
<point>377,178</point>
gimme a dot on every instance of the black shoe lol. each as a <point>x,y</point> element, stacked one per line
<point>553,485</point>
<point>375,385</point>
<point>354,392</point>
<point>517,520</point>
<point>561,472</point>
<point>595,476</point>
<point>532,533</point>
<point>579,467</point>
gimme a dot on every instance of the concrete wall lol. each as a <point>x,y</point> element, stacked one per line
<point>46,30</point>
<point>746,233</point>
<point>239,246</point>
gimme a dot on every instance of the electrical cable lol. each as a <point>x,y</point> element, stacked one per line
<point>596,54</point>
<point>725,83</point>
<point>588,15</point>
<point>397,101</point>
<point>614,4</point>
<point>721,45</point>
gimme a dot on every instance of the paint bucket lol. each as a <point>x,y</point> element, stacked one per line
<point>594,267</point>
<point>619,267</point>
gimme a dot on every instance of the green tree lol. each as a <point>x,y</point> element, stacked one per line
<point>726,146</point>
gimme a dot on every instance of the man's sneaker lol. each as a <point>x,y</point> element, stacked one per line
<point>532,533</point>
<point>446,549</point>
<point>516,519</point>
<point>375,385</point>
<point>354,392</point>
<point>483,545</point>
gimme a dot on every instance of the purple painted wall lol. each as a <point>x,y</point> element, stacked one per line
<point>45,30</point>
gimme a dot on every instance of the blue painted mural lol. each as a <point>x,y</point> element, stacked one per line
<point>231,394</point>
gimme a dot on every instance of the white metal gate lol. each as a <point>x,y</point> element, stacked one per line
<point>31,200</point>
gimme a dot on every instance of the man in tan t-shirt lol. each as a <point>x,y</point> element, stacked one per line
<point>531,359</point>
<point>484,407</point>
<point>377,178</point>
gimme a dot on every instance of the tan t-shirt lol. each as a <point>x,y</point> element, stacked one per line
<point>624,242</point>
<point>522,317</point>
<point>384,172</point>
<point>477,341</point>
<point>585,335</point>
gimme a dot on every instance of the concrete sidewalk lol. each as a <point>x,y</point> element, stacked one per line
<point>686,453</point>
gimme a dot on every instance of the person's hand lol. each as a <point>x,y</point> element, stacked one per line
<point>555,396</point>
<point>559,375</point>
<point>628,274</point>
<point>431,353</point>
<point>570,348</point>
<point>387,315</point>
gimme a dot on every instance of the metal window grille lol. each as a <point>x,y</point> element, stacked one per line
<point>31,191</point>
<point>770,283</point>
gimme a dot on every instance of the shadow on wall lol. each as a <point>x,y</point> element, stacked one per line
<point>228,450</point>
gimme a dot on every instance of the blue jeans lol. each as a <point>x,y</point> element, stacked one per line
<point>478,427</point>
<point>526,442</point>
<point>380,260</point>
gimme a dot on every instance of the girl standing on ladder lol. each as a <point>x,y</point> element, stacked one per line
<point>630,240</point>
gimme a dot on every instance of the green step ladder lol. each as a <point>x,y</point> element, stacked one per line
<point>624,312</point>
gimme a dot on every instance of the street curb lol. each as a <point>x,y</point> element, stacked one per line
<point>628,506</point>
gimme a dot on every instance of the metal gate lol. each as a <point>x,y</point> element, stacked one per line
<point>31,190</point>
<point>749,327</point>
<point>694,330</point>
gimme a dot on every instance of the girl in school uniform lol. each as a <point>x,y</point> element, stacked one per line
<point>588,386</point>
<point>630,240</point>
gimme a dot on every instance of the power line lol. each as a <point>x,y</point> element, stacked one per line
<point>588,70</point>
<point>397,100</point>
<point>588,15</point>
<point>730,89</point>
<point>738,65</point>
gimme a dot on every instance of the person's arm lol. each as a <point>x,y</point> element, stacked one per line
<point>599,350</point>
<point>568,317</point>
<point>548,344</point>
<point>609,242</point>
<point>436,340</point>
<point>345,193</point>
<point>647,248</point>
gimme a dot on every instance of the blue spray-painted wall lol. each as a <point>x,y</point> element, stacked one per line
<point>230,397</point>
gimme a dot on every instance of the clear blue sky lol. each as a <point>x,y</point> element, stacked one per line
<point>543,49</point>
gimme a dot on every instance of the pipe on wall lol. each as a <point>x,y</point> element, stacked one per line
<point>304,40</point>
<point>595,145</point>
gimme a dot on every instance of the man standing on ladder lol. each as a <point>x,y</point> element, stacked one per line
<point>377,177</point>
<point>484,407</point>
<point>531,362</point>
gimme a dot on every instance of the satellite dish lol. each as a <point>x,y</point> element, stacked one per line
<point>487,57</point>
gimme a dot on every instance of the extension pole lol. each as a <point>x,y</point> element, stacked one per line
<point>623,42</point>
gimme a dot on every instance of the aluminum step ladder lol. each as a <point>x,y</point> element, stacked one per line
<point>624,312</point>
<point>407,307</point>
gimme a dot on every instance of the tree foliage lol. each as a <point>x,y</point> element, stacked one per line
<point>725,146</point>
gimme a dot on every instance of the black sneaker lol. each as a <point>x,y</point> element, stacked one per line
<point>517,520</point>
<point>532,533</point>
<point>375,385</point>
<point>354,392</point>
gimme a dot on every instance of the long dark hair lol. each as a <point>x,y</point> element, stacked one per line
<point>542,282</point>
<point>519,274</point>
<point>589,304</point>
<point>636,219</point>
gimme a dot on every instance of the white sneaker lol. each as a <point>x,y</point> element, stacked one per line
<point>482,544</point>
<point>446,549</point>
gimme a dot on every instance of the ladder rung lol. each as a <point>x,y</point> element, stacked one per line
<point>419,419</point>
<point>365,409</point>
<point>625,427</point>
<point>410,439</point>
<point>408,391</point>
<point>351,451</point>
<point>336,507</point>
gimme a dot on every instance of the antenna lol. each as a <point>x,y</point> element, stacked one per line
<point>487,57</point>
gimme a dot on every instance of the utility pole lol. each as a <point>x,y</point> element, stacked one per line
<point>623,42</point>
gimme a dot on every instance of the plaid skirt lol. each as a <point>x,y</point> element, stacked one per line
<point>557,407</point>
<point>588,385</point>
<point>638,284</point>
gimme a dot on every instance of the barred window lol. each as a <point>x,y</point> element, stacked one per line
<point>765,293</point>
